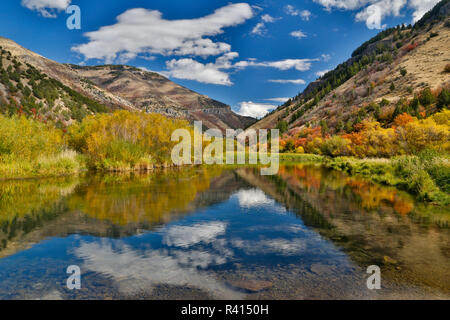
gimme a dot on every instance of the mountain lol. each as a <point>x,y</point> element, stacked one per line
<point>32,84</point>
<point>152,92</point>
<point>386,76</point>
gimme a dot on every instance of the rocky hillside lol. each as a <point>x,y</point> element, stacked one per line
<point>390,74</point>
<point>151,92</point>
<point>33,85</point>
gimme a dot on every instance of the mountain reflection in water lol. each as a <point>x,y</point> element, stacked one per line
<point>306,233</point>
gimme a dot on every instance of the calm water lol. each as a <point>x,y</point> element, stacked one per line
<point>306,233</point>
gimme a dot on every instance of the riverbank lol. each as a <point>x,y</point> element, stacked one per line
<point>426,176</point>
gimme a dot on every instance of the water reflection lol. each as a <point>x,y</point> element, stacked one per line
<point>218,233</point>
<point>373,224</point>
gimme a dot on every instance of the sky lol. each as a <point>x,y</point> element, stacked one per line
<point>251,55</point>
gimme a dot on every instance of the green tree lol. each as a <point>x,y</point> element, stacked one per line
<point>324,127</point>
<point>282,125</point>
<point>443,100</point>
<point>403,72</point>
<point>426,97</point>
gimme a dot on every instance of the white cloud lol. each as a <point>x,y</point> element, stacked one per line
<point>343,4</point>
<point>298,34</point>
<point>253,198</point>
<point>190,69</point>
<point>142,31</point>
<point>294,81</point>
<point>305,15</point>
<point>374,11</point>
<point>283,247</point>
<point>187,236</point>
<point>215,73</point>
<point>255,110</point>
<point>421,7</point>
<point>326,57</point>
<point>282,100</point>
<point>374,14</point>
<point>292,11</point>
<point>268,19</point>
<point>47,8</point>
<point>298,64</point>
<point>321,73</point>
<point>260,28</point>
<point>211,73</point>
<point>136,271</point>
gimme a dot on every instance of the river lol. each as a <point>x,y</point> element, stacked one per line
<point>220,233</point>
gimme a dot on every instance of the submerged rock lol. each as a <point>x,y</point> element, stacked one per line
<point>251,285</point>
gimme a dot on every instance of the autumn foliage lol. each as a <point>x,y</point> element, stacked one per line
<point>124,139</point>
<point>407,135</point>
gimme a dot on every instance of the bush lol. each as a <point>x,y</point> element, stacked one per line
<point>385,102</point>
<point>417,180</point>
<point>282,126</point>
<point>29,148</point>
<point>124,140</point>
<point>416,136</point>
<point>300,150</point>
<point>27,139</point>
<point>403,72</point>
<point>426,97</point>
<point>335,146</point>
<point>443,100</point>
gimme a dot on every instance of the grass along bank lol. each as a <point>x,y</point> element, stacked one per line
<point>122,141</point>
<point>30,148</point>
<point>426,176</point>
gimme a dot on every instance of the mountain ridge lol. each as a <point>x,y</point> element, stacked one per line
<point>394,66</point>
<point>113,87</point>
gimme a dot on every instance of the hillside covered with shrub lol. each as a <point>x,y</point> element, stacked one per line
<point>24,90</point>
<point>404,69</point>
<point>63,93</point>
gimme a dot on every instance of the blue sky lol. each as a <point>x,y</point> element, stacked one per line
<point>248,54</point>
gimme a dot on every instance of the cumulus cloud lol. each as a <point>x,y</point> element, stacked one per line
<point>216,72</point>
<point>294,81</point>
<point>281,100</point>
<point>256,198</point>
<point>142,31</point>
<point>343,4</point>
<point>136,271</point>
<point>267,18</point>
<point>47,8</point>
<point>299,34</point>
<point>292,11</point>
<point>372,12</point>
<point>321,73</point>
<point>298,64</point>
<point>253,198</point>
<point>254,110</point>
<point>187,236</point>
<point>260,28</point>
<point>421,7</point>
<point>190,69</point>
